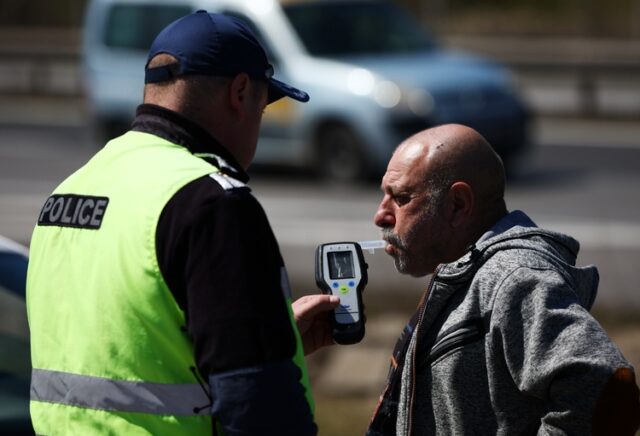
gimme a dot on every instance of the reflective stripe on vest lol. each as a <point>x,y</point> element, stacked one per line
<point>118,395</point>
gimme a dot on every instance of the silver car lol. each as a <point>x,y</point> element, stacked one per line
<point>374,76</point>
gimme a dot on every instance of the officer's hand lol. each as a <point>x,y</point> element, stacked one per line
<point>314,321</point>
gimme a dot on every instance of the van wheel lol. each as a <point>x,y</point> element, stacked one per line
<point>340,156</point>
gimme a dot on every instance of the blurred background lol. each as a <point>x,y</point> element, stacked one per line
<point>553,84</point>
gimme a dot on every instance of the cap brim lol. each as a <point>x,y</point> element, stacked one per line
<point>278,89</point>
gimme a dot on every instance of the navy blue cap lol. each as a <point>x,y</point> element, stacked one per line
<point>215,45</point>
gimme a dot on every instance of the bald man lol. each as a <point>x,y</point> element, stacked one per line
<point>502,341</point>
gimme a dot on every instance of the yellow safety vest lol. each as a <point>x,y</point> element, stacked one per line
<point>110,353</point>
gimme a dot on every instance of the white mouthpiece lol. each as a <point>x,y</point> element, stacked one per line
<point>372,246</point>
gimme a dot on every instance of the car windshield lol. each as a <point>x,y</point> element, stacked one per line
<point>336,29</point>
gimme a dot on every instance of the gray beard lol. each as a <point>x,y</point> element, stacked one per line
<point>400,259</point>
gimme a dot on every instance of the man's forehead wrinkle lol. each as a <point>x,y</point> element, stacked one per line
<point>407,183</point>
<point>392,179</point>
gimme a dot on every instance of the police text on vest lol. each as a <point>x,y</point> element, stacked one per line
<point>69,210</point>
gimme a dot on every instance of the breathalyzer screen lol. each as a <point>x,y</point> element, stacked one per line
<point>341,265</point>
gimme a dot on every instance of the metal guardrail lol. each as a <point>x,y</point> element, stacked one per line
<point>596,89</point>
<point>587,77</point>
<point>596,77</point>
<point>43,73</point>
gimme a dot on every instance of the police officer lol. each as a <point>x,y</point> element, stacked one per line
<point>158,300</point>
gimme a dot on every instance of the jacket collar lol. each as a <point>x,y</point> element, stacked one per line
<point>512,231</point>
<point>512,219</point>
<point>180,130</point>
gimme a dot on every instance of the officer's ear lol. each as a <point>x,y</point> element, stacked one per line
<point>239,89</point>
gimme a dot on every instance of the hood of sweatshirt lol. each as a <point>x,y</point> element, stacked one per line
<point>559,249</point>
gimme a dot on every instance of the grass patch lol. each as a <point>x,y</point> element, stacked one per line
<point>343,416</point>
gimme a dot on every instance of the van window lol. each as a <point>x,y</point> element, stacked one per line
<point>134,27</point>
<point>334,29</point>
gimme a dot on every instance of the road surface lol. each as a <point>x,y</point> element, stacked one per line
<point>582,178</point>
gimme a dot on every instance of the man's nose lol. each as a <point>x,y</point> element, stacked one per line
<point>384,217</point>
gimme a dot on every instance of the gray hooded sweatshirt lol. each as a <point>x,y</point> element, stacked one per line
<point>506,345</point>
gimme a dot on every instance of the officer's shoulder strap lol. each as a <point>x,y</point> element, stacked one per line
<point>227,182</point>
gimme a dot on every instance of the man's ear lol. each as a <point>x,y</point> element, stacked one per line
<point>238,93</point>
<point>461,203</point>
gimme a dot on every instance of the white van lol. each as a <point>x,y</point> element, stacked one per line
<point>373,75</point>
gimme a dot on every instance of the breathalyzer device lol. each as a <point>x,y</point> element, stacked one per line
<point>342,271</point>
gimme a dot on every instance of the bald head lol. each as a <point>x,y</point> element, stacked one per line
<point>453,152</point>
<point>443,189</point>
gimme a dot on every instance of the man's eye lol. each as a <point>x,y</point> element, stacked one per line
<point>402,199</point>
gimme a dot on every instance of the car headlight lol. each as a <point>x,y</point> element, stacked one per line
<point>360,81</point>
<point>420,102</point>
<point>391,96</point>
<point>388,94</point>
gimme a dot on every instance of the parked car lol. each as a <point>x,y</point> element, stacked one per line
<point>15,362</point>
<point>373,74</point>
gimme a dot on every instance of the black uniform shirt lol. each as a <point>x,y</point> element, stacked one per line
<point>220,258</point>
